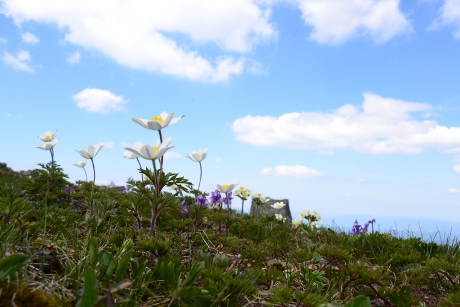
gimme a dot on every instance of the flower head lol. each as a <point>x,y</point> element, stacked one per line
<point>296,223</point>
<point>81,164</point>
<point>201,201</point>
<point>225,188</point>
<point>112,184</point>
<point>131,155</point>
<point>279,217</point>
<point>152,152</point>
<point>228,200</point>
<point>158,122</point>
<point>129,179</point>
<point>215,197</point>
<point>243,193</point>
<point>278,205</point>
<point>47,136</point>
<point>67,190</point>
<point>125,191</point>
<point>91,152</point>
<point>48,145</point>
<point>198,156</point>
<point>184,207</point>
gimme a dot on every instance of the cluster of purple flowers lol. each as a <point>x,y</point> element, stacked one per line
<point>215,197</point>
<point>357,229</point>
<point>228,200</point>
<point>68,188</point>
<point>201,201</point>
<point>184,206</point>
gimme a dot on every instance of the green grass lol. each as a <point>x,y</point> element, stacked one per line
<point>106,254</point>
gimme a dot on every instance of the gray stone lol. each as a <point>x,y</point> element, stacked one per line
<point>266,209</point>
<point>5,168</point>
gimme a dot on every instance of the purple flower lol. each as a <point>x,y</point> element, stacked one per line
<point>129,179</point>
<point>185,208</point>
<point>112,184</point>
<point>357,229</point>
<point>59,186</point>
<point>201,201</point>
<point>395,233</point>
<point>228,199</point>
<point>75,186</point>
<point>67,190</point>
<point>215,197</point>
<point>125,191</point>
<point>366,225</point>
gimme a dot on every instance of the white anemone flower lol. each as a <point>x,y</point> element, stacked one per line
<point>279,217</point>
<point>131,155</point>
<point>158,122</point>
<point>296,223</point>
<point>81,164</point>
<point>48,136</point>
<point>152,152</point>
<point>225,188</point>
<point>198,156</point>
<point>278,205</point>
<point>91,152</point>
<point>49,145</point>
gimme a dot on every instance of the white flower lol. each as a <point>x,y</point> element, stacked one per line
<point>47,136</point>
<point>131,155</point>
<point>81,164</point>
<point>198,156</point>
<point>279,217</point>
<point>158,122</point>
<point>296,223</point>
<point>152,152</point>
<point>314,225</point>
<point>278,205</point>
<point>91,152</point>
<point>225,188</point>
<point>48,145</point>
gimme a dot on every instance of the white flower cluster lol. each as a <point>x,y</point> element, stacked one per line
<point>312,218</point>
<point>242,193</point>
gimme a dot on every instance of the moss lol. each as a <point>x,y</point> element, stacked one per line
<point>21,295</point>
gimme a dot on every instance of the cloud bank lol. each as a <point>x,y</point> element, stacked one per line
<point>296,171</point>
<point>98,101</point>
<point>381,125</point>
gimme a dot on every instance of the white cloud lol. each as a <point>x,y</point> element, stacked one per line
<point>457,168</point>
<point>29,38</point>
<point>296,171</point>
<point>449,14</point>
<point>99,101</point>
<point>218,160</point>
<point>107,144</point>
<point>74,58</point>
<point>361,180</point>
<point>335,21</point>
<point>171,155</point>
<point>384,125</point>
<point>157,35</point>
<point>19,62</point>
<point>453,190</point>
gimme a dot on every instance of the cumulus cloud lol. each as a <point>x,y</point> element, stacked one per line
<point>449,14</point>
<point>20,62</point>
<point>296,171</point>
<point>29,38</point>
<point>381,125</point>
<point>171,155</point>
<point>107,144</point>
<point>453,190</point>
<point>157,35</point>
<point>98,101</point>
<point>335,21</point>
<point>74,58</point>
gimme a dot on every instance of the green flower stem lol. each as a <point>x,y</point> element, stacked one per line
<point>92,188</point>
<point>242,207</point>
<point>201,173</point>
<point>153,221</point>
<point>161,141</point>
<point>140,166</point>
<point>86,175</point>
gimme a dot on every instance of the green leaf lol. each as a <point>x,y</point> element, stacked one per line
<point>359,301</point>
<point>93,250</point>
<point>11,264</point>
<point>122,267</point>
<point>106,264</point>
<point>89,298</point>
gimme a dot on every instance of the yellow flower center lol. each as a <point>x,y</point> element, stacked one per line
<point>156,149</point>
<point>225,186</point>
<point>158,119</point>
<point>47,137</point>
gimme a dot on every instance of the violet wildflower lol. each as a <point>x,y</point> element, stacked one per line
<point>112,184</point>
<point>366,225</point>
<point>215,197</point>
<point>185,208</point>
<point>356,229</point>
<point>228,200</point>
<point>201,201</point>
<point>59,186</point>
<point>75,186</point>
<point>67,190</point>
<point>125,191</point>
<point>129,179</point>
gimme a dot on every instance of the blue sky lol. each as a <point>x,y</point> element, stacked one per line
<point>344,107</point>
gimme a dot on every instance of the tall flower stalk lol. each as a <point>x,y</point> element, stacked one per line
<point>198,157</point>
<point>82,164</point>
<point>90,153</point>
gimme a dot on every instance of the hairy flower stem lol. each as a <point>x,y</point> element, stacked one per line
<point>242,207</point>
<point>92,188</point>
<point>161,141</point>
<point>201,173</point>
<point>86,175</point>
<point>140,167</point>
<point>228,215</point>
<point>153,221</point>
